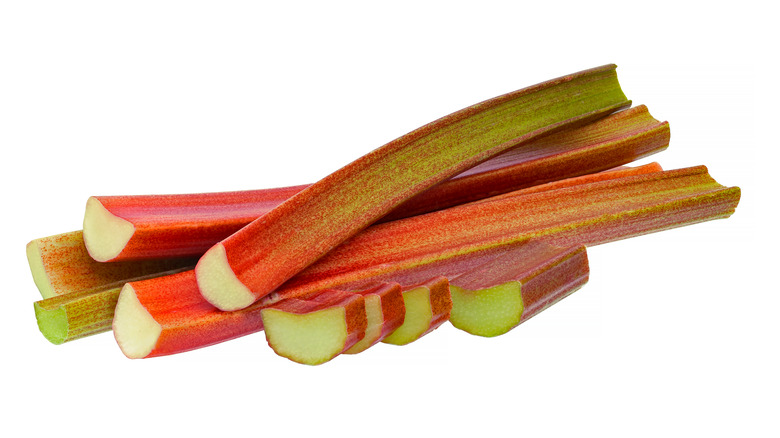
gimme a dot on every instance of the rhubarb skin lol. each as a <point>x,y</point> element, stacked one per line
<point>428,306</point>
<point>257,259</point>
<point>618,139</point>
<point>496,297</point>
<point>590,213</point>
<point>316,330</point>
<point>160,226</point>
<point>61,264</point>
<point>385,312</point>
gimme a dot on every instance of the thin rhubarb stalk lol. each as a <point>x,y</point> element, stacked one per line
<point>60,265</point>
<point>315,330</point>
<point>257,259</point>
<point>494,298</point>
<point>158,226</point>
<point>175,318</point>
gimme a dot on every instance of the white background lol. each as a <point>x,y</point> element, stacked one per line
<point>675,335</point>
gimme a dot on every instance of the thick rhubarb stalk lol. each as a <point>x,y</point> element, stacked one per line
<point>60,265</point>
<point>257,259</point>
<point>493,298</point>
<point>315,330</point>
<point>590,213</point>
<point>158,226</point>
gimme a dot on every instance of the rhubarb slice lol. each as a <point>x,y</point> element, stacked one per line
<point>316,330</point>
<point>60,264</point>
<point>427,307</point>
<point>590,213</point>
<point>385,312</point>
<point>257,259</point>
<point>492,299</point>
<point>178,225</point>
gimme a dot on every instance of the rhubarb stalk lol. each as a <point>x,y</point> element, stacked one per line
<point>590,213</point>
<point>257,259</point>
<point>159,226</point>
<point>60,264</point>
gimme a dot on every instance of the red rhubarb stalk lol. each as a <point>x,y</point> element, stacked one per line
<point>590,213</point>
<point>257,259</point>
<point>158,226</point>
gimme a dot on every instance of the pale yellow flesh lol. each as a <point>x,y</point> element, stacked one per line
<point>105,235</point>
<point>135,330</point>
<point>40,277</point>
<point>218,283</point>
<point>312,338</point>
<point>417,319</point>
<point>375,320</point>
<point>487,312</point>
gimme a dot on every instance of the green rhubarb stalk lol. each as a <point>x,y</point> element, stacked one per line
<point>257,259</point>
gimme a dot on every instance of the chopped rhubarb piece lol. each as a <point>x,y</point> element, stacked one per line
<point>316,330</point>
<point>60,264</point>
<point>178,225</point>
<point>385,312</point>
<point>590,213</point>
<point>427,307</point>
<point>257,259</point>
<point>495,297</point>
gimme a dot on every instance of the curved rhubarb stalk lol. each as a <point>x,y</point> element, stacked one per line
<point>158,226</point>
<point>175,317</point>
<point>257,259</point>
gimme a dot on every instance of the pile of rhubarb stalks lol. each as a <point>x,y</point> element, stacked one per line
<point>480,218</point>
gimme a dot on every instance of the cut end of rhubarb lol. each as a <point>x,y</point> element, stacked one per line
<point>311,338</point>
<point>375,321</point>
<point>53,323</point>
<point>105,235</point>
<point>417,319</point>
<point>38,270</point>
<point>135,329</point>
<point>218,283</point>
<point>487,312</point>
